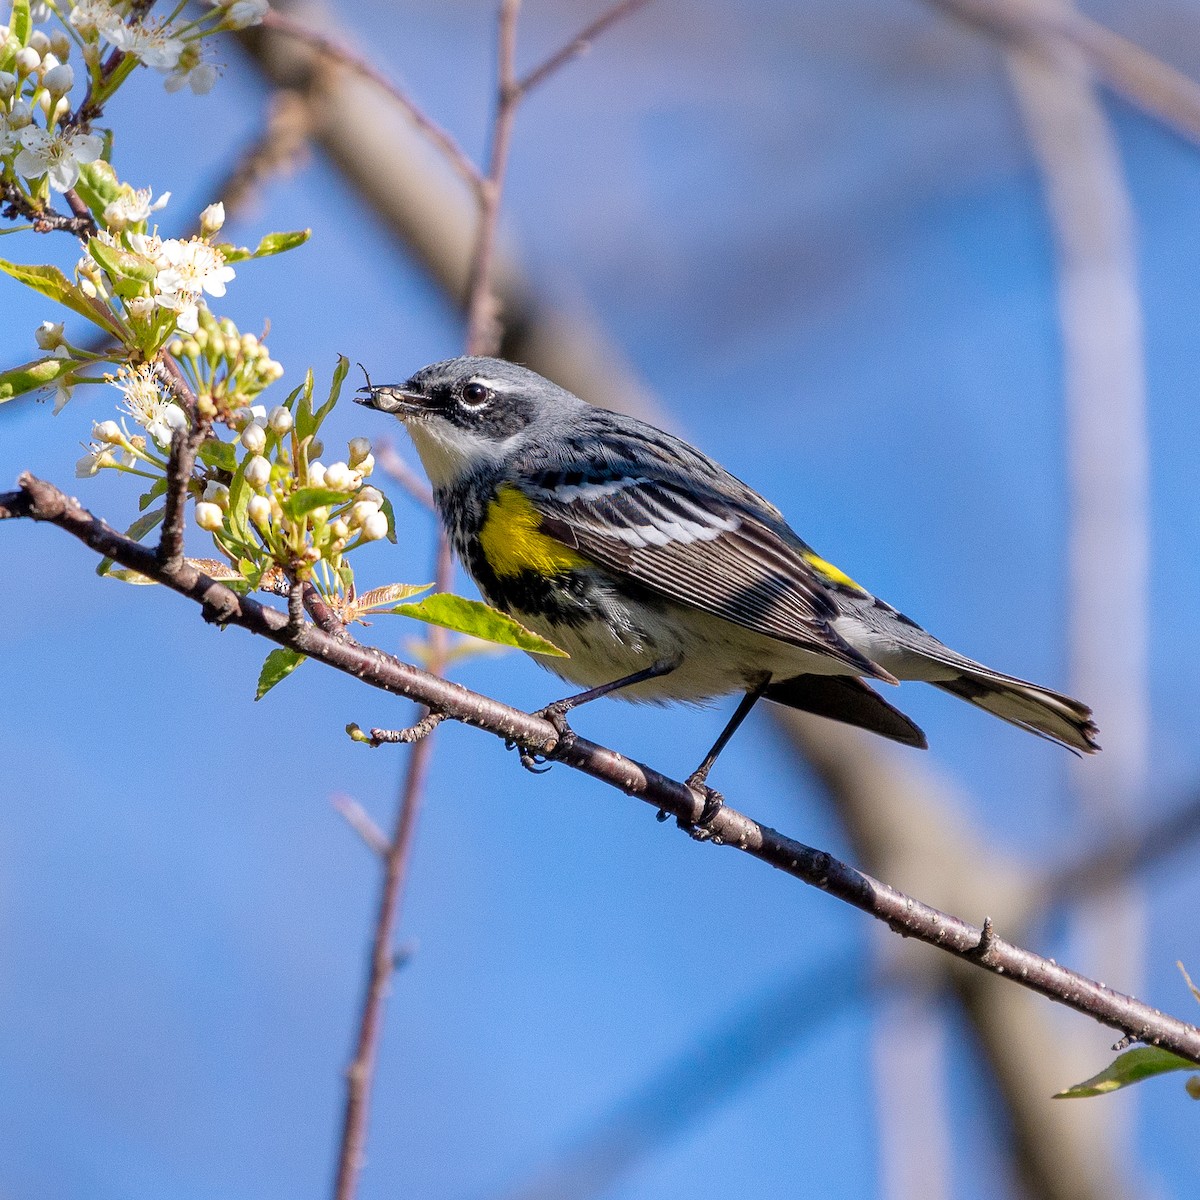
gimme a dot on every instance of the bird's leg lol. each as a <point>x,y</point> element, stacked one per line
<point>697,779</point>
<point>556,713</point>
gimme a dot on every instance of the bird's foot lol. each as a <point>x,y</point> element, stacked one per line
<point>539,761</point>
<point>713,802</point>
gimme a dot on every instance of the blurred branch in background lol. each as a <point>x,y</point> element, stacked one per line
<point>1107,451</point>
<point>1056,31</point>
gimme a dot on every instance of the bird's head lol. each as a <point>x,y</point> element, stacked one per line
<point>468,414</point>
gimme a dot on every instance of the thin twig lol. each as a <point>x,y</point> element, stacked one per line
<point>483,325</point>
<point>339,52</point>
<point>578,45</point>
<point>361,1073</point>
<point>903,914</point>
<point>360,821</point>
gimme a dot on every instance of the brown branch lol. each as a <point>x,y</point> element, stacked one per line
<point>338,52</point>
<point>80,224</point>
<point>903,914</point>
<point>184,447</point>
<point>579,44</point>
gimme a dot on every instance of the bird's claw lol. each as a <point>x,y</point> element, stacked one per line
<point>540,761</point>
<point>713,802</point>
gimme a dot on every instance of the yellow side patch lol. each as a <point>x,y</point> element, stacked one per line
<point>512,541</point>
<point>831,573</point>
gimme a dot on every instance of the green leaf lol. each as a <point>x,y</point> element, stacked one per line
<point>239,501</point>
<point>137,531</point>
<point>279,665</point>
<point>305,424</point>
<point>221,456</point>
<point>98,185</point>
<point>304,500</point>
<point>1131,1067</point>
<point>157,488</point>
<point>335,389</point>
<point>145,523</point>
<point>122,264</point>
<point>50,281</point>
<point>34,375</point>
<point>20,24</point>
<point>273,243</point>
<point>479,620</point>
<point>385,507</point>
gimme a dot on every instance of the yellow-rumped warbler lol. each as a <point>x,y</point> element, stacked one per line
<point>663,576</point>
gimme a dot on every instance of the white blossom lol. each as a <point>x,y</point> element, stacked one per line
<point>200,77</point>
<point>241,14</point>
<point>56,155</point>
<point>158,415</point>
<point>133,207</point>
<point>92,17</point>
<point>192,267</point>
<point>153,44</point>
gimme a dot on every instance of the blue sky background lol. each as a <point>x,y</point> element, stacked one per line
<point>816,232</point>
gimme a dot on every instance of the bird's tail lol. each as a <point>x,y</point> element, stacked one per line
<point>1047,713</point>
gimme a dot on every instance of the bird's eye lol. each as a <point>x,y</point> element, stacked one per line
<point>476,395</point>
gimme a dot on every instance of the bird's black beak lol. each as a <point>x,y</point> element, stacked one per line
<point>392,398</point>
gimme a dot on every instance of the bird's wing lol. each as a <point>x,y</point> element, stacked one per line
<point>696,547</point>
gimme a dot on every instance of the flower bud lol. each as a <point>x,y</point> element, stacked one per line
<point>259,510</point>
<point>316,474</point>
<point>211,219</point>
<point>360,447</point>
<point>371,495</point>
<point>366,467</point>
<point>209,516</point>
<point>340,530</point>
<point>28,60</point>
<point>218,494</point>
<point>108,431</point>
<point>58,81</point>
<point>60,44</point>
<point>49,335</point>
<point>280,420</point>
<point>254,438</point>
<point>362,512</point>
<point>375,527</point>
<point>8,84</point>
<point>39,39</point>
<point>338,477</point>
<point>258,471</point>
<point>20,116</point>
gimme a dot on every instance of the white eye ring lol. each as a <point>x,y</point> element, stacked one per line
<point>475,394</point>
